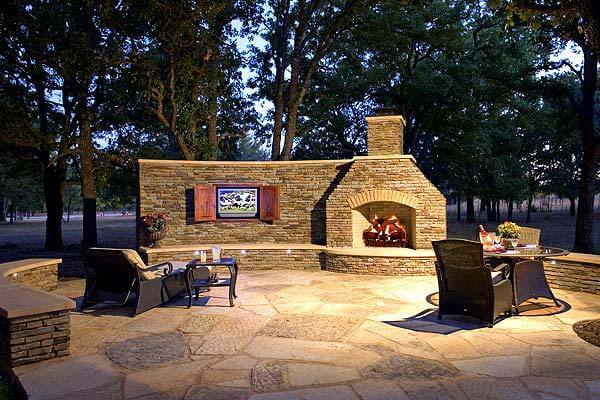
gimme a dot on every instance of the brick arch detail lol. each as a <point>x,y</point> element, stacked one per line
<point>371,196</point>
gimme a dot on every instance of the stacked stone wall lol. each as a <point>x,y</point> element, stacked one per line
<point>366,265</point>
<point>261,259</point>
<point>34,337</point>
<point>168,188</point>
<point>45,278</point>
<point>572,275</point>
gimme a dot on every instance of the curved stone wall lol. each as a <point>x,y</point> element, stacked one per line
<point>374,265</point>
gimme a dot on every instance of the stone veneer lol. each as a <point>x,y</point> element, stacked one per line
<point>385,135</point>
<point>379,265</point>
<point>313,204</point>
<point>580,272</point>
<point>44,277</point>
<point>321,202</point>
<point>35,337</point>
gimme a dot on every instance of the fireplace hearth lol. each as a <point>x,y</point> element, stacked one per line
<point>386,232</point>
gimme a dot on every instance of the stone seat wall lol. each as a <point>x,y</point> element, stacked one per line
<point>34,323</point>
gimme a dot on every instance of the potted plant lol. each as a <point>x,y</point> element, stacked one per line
<point>154,228</point>
<point>509,233</point>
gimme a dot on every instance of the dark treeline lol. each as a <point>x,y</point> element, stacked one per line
<point>492,109</point>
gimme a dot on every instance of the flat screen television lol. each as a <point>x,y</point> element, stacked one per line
<point>237,202</point>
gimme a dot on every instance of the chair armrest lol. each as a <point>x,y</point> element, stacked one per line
<point>504,268</point>
<point>167,270</point>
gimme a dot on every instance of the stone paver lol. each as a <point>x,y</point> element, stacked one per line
<point>313,335</point>
<point>379,390</point>
<point>56,380</point>
<point>503,389</point>
<point>311,327</point>
<point>163,379</point>
<point>269,376</point>
<point>149,351</point>
<point>497,366</point>
<point>559,362</point>
<point>300,374</point>
<point>404,367</point>
<point>562,388</point>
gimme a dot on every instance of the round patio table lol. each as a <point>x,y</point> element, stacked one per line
<point>527,271</point>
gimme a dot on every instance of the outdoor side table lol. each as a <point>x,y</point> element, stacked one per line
<point>197,284</point>
<point>528,278</point>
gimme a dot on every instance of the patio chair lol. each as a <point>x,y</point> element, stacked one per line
<point>113,275</point>
<point>468,286</point>
<point>530,235</point>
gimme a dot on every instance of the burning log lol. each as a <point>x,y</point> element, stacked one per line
<point>386,232</point>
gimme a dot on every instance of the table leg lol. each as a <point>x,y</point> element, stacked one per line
<point>188,286</point>
<point>235,268</point>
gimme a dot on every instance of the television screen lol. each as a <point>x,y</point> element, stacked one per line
<point>237,202</point>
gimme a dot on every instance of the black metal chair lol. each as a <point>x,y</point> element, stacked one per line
<point>112,276</point>
<point>467,286</point>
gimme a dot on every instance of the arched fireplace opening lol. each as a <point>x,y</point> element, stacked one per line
<point>383,224</point>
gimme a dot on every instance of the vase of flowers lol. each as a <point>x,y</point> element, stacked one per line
<point>154,228</point>
<point>509,233</point>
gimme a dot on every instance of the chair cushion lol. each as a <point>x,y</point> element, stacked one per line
<point>496,277</point>
<point>134,258</point>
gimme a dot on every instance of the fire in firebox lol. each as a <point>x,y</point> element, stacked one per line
<point>386,232</point>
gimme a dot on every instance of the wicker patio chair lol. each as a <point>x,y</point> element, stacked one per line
<point>113,275</point>
<point>468,286</point>
<point>530,235</point>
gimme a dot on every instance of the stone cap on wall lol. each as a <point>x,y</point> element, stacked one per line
<point>18,301</point>
<point>278,163</point>
<point>578,258</point>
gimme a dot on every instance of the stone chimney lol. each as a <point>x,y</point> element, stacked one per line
<point>385,133</point>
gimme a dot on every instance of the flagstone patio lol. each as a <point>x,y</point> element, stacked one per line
<point>319,335</point>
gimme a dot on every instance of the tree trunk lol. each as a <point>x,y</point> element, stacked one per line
<point>458,216</point>
<point>497,210</point>
<point>482,205</point>
<point>584,224</point>
<point>491,210</point>
<point>280,58</point>
<point>11,212</point>
<point>589,10</point>
<point>213,140</point>
<point>529,205</point>
<point>509,215</point>
<point>2,209</point>
<point>88,184</point>
<point>55,177</point>
<point>470,209</point>
<point>572,207</point>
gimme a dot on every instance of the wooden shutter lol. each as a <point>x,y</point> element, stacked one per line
<point>204,203</point>
<point>269,203</point>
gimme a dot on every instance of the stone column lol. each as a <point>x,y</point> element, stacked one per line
<point>385,135</point>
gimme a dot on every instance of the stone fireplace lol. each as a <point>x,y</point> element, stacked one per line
<point>322,209</point>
